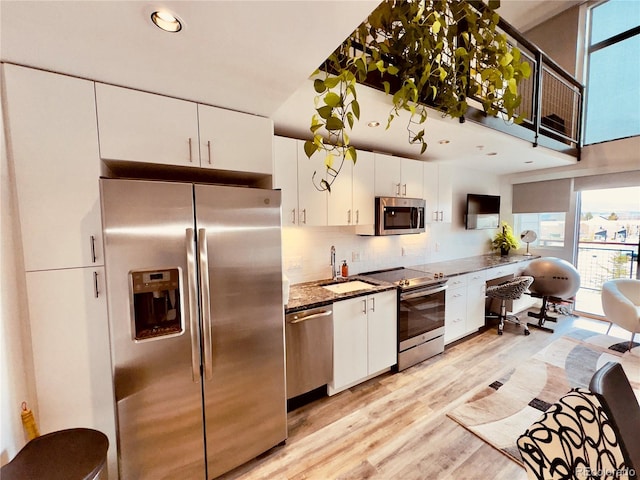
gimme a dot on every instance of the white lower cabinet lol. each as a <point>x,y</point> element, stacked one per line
<point>455,311</point>
<point>70,343</point>
<point>464,305</point>
<point>364,338</point>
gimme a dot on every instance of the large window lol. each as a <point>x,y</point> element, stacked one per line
<point>613,78</point>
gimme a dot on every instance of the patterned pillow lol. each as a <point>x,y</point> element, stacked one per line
<point>574,439</point>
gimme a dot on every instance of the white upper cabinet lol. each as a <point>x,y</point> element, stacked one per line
<point>54,148</point>
<point>363,189</point>
<point>387,176</point>
<point>311,201</point>
<point>438,192</point>
<point>398,177</point>
<point>143,127</point>
<point>340,200</point>
<point>235,141</point>
<point>285,177</point>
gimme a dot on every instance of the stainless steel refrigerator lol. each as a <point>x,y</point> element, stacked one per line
<point>194,292</point>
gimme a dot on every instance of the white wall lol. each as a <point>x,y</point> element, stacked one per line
<point>306,250</point>
<point>16,367</point>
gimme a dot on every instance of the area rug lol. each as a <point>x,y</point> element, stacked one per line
<point>500,412</point>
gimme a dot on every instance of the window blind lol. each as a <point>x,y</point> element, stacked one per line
<point>610,180</point>
<point>542,197</point>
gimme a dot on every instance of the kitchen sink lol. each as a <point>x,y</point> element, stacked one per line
<point>348,286</point>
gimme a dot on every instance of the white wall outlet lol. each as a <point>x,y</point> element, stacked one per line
<point>294,262</point>
<point>355,256</point>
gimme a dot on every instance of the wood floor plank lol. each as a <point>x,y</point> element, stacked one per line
<point>395,425</point>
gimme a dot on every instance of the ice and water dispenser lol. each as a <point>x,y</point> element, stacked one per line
<point>156,304</point>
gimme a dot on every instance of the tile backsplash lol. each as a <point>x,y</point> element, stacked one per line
<point>306,250</point>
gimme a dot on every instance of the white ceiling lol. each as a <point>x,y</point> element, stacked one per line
<point>251,56</point>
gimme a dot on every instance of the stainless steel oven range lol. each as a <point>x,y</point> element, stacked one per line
<point>421,301</point>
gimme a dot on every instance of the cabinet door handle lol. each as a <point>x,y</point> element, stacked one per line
<point>364,306</point>
<point>441,215</point>
<point>373,304</point>
<point>398,189</point>
<point>435,216</point>
<point>304,215</point>
<point>357,217</point>
<point>95,285</point>
<point>293,216</point>
<point>209,150</point>
<point>190,154</point>
<point>404,189</point>
<point>93,249</point>
<point>348,217</point>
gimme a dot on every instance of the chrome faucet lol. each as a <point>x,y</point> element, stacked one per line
<point>334,269</point>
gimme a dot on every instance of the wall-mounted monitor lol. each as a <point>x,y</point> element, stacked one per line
<point>483,211</point>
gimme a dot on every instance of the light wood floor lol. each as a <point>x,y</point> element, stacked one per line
<point>395,426</point>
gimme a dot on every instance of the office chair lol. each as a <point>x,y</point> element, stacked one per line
<point>511,290</point>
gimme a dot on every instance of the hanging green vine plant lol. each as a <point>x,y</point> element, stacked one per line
<point>425,54</point>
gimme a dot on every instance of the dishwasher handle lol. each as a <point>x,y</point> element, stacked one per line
<point>297,319</point>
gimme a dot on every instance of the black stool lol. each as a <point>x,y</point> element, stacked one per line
<point>74,454</point>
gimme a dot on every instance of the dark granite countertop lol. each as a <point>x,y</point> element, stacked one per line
<point>311,294</point>
<point>460,266</point>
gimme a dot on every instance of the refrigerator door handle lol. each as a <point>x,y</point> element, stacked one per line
<point>192,287</point>
<point>205,303</point>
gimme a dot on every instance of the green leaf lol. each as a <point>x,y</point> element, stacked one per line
<point>387,87</point>
<point>435,27</point>
<point>333,99</point>
<point>316,127</point>
<point>353,154</point>
<point>506,59</point>
<point>355,108</point>
<point>318,85</point>
<point>310,148</point>
<point>334,123</point>
<point>350,119</point>
<point>393,70</point>
<point>324,184</point>
<point>380,66</point>
<point>331,82</point>
<point>325,112</point>
<point>328,161</point>
<point>525,68</point>
<point>513,86</point>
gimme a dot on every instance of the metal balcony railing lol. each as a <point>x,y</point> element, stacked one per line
<point>602,261</point>
<point>552,99</point>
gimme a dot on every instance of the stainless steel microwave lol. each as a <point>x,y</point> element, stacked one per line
<point>399,215</point>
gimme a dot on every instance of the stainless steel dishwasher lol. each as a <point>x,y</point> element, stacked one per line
<point>309,346</point>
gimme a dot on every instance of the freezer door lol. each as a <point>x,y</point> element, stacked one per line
<point>243,323</point>
<point>149,237</point>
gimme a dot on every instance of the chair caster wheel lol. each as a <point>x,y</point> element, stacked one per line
<point>527,332</point>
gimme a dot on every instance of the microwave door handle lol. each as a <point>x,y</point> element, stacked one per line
<point>419,218</point>
<point>192,292</point>
<point>205,299</point>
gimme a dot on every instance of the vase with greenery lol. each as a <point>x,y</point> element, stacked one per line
<point>437,53</point>
<point>505,240</point>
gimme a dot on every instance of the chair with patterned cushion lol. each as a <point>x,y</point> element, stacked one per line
<point>621,405</point>
<point>511,290</point>
<point>574,439</point>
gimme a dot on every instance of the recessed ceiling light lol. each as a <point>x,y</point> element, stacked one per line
<point>528,161</point>
<point>166,21</point>
<point>444,141</point>
<point>374,123</point>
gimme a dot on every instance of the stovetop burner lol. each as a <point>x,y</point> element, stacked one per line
<point>405,277</point>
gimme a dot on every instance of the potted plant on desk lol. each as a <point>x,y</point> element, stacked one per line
<point>504,240</point>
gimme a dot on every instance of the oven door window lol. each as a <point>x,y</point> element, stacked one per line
<point>420,315</point>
